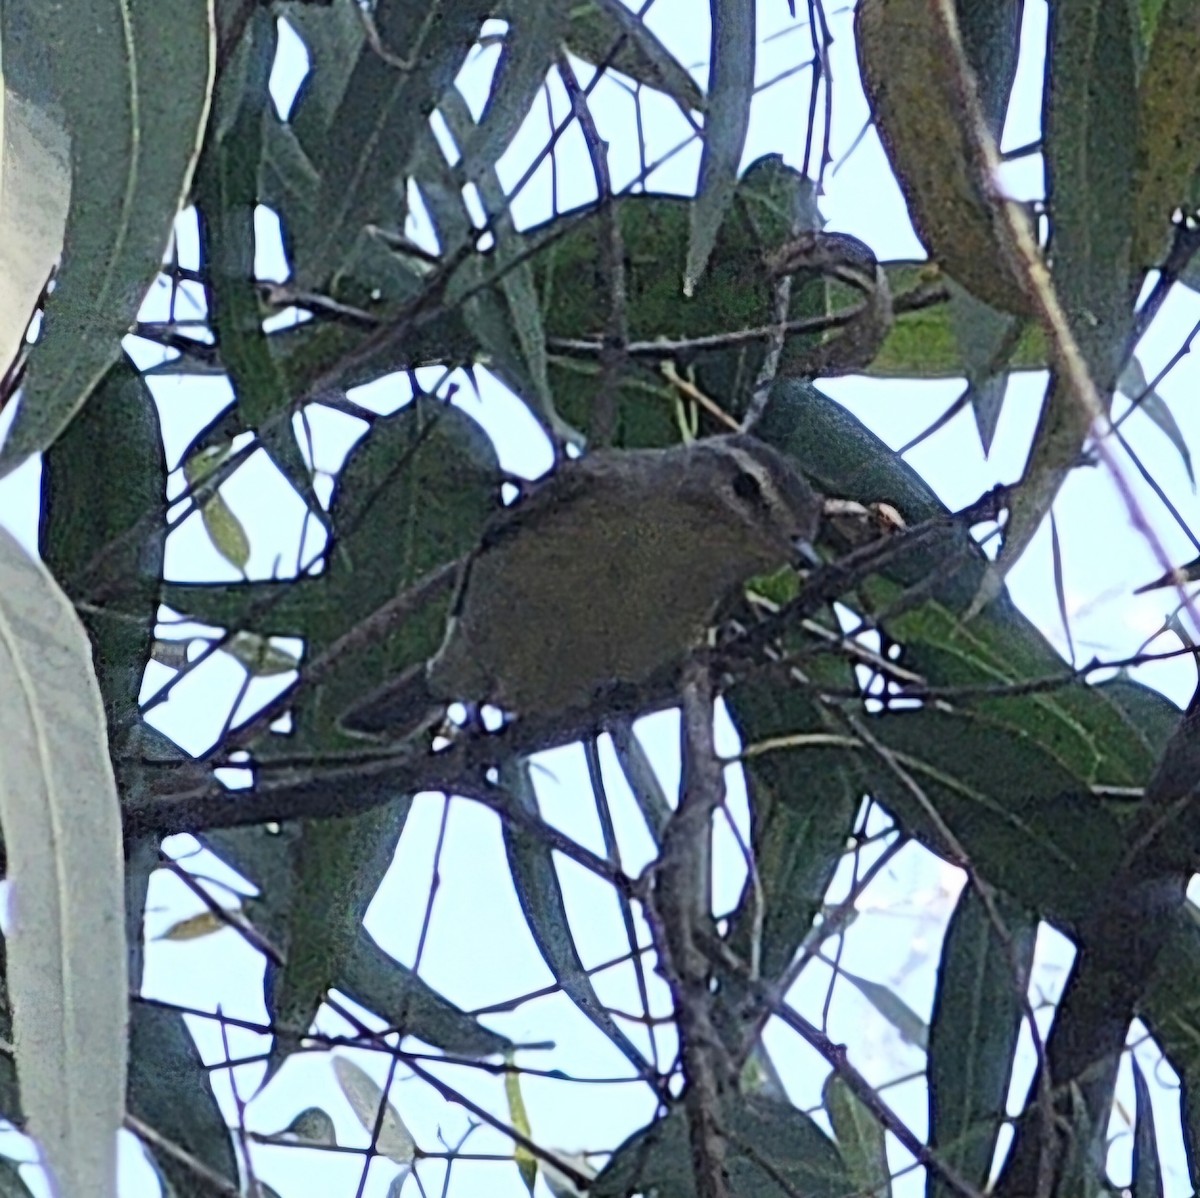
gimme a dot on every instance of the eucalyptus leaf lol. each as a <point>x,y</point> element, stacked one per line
<point>375,1112</point>
<point>775,1151</point>
<point>860,1139</point>
<point>727,118</point>
<point>539,892</point>
<point>169,1091</point>
<point>594,33</point>
<point>131,93</point>
<point>59,812</point>
<point>977,1013</point>
<point>1147,1179</point>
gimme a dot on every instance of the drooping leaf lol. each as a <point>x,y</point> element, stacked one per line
<point>802,811</point>
<point>774,1151</point>
<point>1147,1179</point>
<point>594,31</point>
<point>539,892</point>
<point>362,148</point>
<point>1090,161</point>
<point>531,43</point>
<point>514,336</point>
<point>227,533</point>
<point>519,1119</point>
<point>60,816</point>
<point>977,1012</point>
<point>1168,150</point>
<point>102,531</point>
<point>860,1139</point>
<point>131,91</point>
<point>1133,386</point>
<point>910,85</point>
<point>374,1109</point>
<point>337,865</point>
<point>379,983</point>
<point>227,191</point>
<point>910,1027</point>
<point>727,118</point>
<point>1170,1009</point>
<point>169,1091</point>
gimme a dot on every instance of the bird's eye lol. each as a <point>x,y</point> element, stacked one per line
<point>747,487</point>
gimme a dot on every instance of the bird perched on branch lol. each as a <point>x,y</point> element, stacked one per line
<point>606,575</point>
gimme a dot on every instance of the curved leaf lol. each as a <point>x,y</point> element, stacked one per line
<point>60,815</point>
<point>977,1013</point>
<point>860,1139</point>
<point>363,148</point>
<point>595,27</point>
<point>911,90</point>
<point>539,892</point>
<point>103,530</point>
<point>132,92</point>
<point>1147,1180</point>
<point>730,90</point>
<point>169,1091</point>
<point>1089,187</point>
<point>1168,150</point>
<point>775,1151</point>
<point>36,173</point>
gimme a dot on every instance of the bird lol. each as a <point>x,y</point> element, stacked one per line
<point>606,575</point>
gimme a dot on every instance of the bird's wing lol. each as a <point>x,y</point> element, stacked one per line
<point>544,499</point>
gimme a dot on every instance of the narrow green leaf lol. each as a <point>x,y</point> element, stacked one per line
<point>225,530</point>
<point>363,150</point>
<point>973,1034</point>
<point>595,27</point>
<point>530,46</point>
<point>227,192</point>
<point>378,982</point>
<point>527,1163</point>
<point>860,1139</point>
<point>910,1026</point>
<point>337,865</point>
<point>1133,386</point>
<point>639,773</point>
<point>730,90</point>
<point>102,532</point>
<point>526,368</point>
<point>1147,1180</point>
<point>540,894</point>
<point>1090,159</point>
<point>169,1091</point>
<point>132,92</point>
